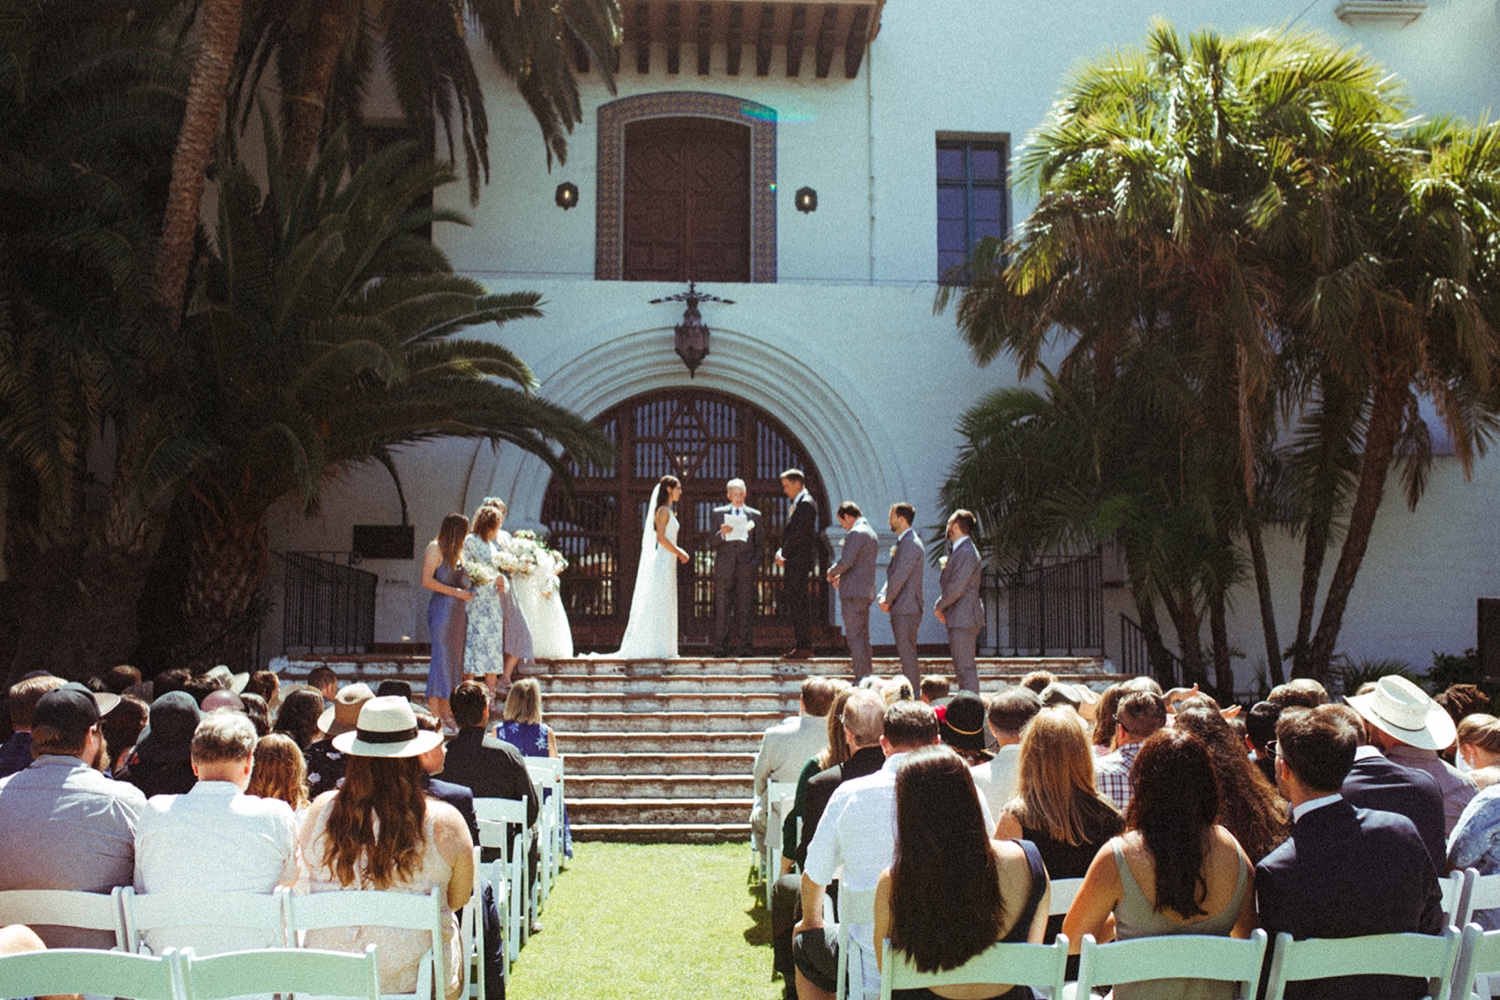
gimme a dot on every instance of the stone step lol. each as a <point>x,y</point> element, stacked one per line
<point>585,764</point>
<point>561,704</point>
<point>657,742</point>
<point>662,833</point>
<point>658,810</point>
<point>663,722</point>
<point>661,786</point>
<point>674,684</point>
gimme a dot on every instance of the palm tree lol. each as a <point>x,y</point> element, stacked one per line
<point>330,335</point>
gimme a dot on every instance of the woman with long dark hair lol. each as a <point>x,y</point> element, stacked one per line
<point>298,718</point>
<point>952,891</point>
<point>1252,809</point>
<point>380,830</point>
<point>1174,871</point>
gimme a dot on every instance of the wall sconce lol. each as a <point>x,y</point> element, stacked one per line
<point>567,195</point>
<point>806,200</point>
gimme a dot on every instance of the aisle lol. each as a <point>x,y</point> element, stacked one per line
<point>650,922</point>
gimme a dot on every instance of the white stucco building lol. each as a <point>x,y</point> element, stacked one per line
<point>832,347</point>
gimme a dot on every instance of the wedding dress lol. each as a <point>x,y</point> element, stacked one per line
<point>651,631</point>
<point>541,603</point>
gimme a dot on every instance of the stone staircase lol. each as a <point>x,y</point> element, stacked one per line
<point>662,751</point>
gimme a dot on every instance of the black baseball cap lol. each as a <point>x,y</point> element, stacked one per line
<point>71,709</point>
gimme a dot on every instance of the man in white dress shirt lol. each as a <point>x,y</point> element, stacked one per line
<point>856,841</point>
<point>1008,713</point>
<point>787,746</point>
<point>215,838</point>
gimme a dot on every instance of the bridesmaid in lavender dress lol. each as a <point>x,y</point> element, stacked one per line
<point>447,622</point>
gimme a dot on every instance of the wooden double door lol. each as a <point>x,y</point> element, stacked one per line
<point>705,439</point>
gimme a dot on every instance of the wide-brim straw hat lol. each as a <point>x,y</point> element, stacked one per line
<point>231,680</point>
<point>343,715</point>
<point>387,728</point>
<point>1399,708</point>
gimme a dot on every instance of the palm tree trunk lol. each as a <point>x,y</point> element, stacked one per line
<point>1218,630</point>
<point>304,110</point>
<point>1188,625</point>
<point>1263,596</point>
<point>219,37</point>
<point>1380,447</point>
<point>228,570</point>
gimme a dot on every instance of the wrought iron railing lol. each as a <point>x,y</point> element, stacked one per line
<point>1052,609</point>
<point>1135,655</point>
<point>329,604</point>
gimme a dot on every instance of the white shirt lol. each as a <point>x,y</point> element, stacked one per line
<point>996,779</point>
<point>1323,800</point>
<point>217,838</point>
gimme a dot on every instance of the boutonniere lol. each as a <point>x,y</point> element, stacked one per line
<point>943,562</point>
<point>893,551</point>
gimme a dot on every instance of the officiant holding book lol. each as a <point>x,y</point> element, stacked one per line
<point>735,533</point>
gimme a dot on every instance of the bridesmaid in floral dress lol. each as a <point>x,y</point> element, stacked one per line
<point>484,650</point>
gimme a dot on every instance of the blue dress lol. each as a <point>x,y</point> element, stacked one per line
<point>447,626</point>
<point>531,739</point>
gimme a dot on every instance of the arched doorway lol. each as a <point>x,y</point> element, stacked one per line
<point>704,438</point>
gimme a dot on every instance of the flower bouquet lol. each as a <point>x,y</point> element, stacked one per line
<point>532,550</point>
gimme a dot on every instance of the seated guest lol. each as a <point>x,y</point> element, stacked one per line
<point>15,754</point>
<point>1260,733</point>
<point>119,678</point>
<point>279,772</point>
<point>1304,692</point>
<point>961,726</point>
<point>325,762</point>
<point>1462,700</point>
<point>1479,746</point>
<point>393,687</point>
<point>216,838</point>
<point>266,684</point>
<point>489,767</point>
<point>173,679</point>
<point>222,700</point>
<point>122,727</point>
<point>1344,872</point>
<point>1038,680</point>
<point>522,726</point>
<point>162,761</point>
<point>1476,842</point>
<point>1173,871</point>
<point>934,688</point>
<point>1056,806</point>
<point>1008,713</point>
<point>380,830</point>
<point>1249,807</point>
<point>1377,783</point>
<point>299,715</point>
<point>64,825</point>
<point>1406,725</point>
<point>1140,713</point>
<point>894,689</point>
<point>323,680</point>
<point>952,891</point>
<point>788,745</point>
<point>1103,734</point>
<point>254,707</point>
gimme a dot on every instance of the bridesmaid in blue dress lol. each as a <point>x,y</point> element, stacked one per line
<point>447,619</point>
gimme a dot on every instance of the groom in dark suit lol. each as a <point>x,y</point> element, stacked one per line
<point>797,556</point>
<point>735,560</point>
<point>1344,872</point>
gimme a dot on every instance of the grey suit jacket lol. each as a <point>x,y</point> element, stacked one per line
<point>903,576</point>
<point>855,570</point>
<point>960,582</point>
<point>753,546</point>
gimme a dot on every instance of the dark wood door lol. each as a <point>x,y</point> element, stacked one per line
<point>704,438</point>
<point>687,200</point>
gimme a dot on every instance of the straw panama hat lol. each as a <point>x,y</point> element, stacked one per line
<point>387,728</point>
<point>1399,708</point>
<point>343,715</point>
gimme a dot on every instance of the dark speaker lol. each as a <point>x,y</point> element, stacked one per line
<point>384,541</point>
<point>1489,638</point>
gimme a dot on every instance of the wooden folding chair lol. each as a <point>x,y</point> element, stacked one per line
<point>95,911</point>
<point>307,972</point>
<point>1426,956</point>
<point>377,908</point>
<point>87,971</point>
<point>1173,956</point>
<point>1043,967</point>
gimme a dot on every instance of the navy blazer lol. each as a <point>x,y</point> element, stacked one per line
<point>799,539</point>
<point>459,798</point>
<point>1346,872</point>
<point>1378,783</point>
<point>820,787</point>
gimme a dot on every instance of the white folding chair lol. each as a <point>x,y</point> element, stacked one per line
<point>1040,966</point>
<point>1425,956</point>
<point>87,971</point>
<point>95,911</point>
<point>1457,888</point>
<point>546,773</point>
<point>1173,956</point>
<point>856,906</point>
<point>1478,960</point>
<point>778,798</point>
<point>1483,894</point>
<point>306,972</point>
<point>495,816</point>
<point>377,908</point>
<point>257,917</point>
<point>471,934</point>
<point>1063,891</point>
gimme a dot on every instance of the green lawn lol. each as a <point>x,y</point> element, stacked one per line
<point>650,921</point>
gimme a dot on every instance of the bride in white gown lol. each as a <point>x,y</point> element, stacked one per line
<point>651,632</point>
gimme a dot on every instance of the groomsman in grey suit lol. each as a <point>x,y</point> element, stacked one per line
<point>737,545</point>
<point>901,597</point>
<point>854,578</point>
<point>959,607</point>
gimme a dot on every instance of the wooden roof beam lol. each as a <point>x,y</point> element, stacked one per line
<point>854,45</point>
<point>795,37</point>
<point>642,37</point>
<point>735,40</point>
<point>705,36</point>
<point>674,38</point>
<point>824,50</point>
<point>766,37</point>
